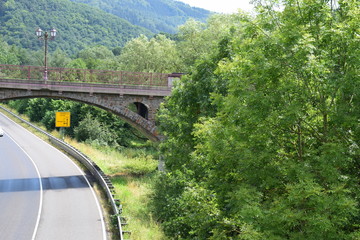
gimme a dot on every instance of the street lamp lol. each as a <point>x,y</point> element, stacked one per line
<point>46,37</point>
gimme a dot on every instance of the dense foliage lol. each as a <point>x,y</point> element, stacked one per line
<point>88,124</point>
<point>155,15</point>
<point>78,25</point>
<point>158,54</point>
<point>263,135</point>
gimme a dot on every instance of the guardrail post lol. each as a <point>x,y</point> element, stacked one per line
<point>120,80</point>
<point>29,73</point>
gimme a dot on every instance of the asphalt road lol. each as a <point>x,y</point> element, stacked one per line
<point>43,194</point>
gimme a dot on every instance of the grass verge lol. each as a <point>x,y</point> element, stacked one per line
<point>132,172</point>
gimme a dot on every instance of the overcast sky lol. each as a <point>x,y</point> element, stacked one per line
<point>220,6</point>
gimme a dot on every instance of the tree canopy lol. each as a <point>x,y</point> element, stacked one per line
<point>263,135</point>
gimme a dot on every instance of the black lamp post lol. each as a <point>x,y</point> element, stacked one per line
<point>46,37</point>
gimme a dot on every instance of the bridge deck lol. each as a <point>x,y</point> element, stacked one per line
<point>84,80</point>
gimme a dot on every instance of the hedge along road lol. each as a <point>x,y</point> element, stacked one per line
<point>43,194</point>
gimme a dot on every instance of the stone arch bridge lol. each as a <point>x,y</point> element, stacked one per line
<point>113,91</point>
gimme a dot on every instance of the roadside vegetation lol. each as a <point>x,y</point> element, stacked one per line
<point>133,172</point>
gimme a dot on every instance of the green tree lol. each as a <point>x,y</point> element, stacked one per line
<point>96,52</point>
<point>59,59</point>
<point>88,129</point>
<point>197,40</point>
<point>37,107</point>
<point>158,54</point>
<point>190,101</point>
<point>277,154</point>
<point>8,54</point>
<point>95,56</point>
<point>78,63</point>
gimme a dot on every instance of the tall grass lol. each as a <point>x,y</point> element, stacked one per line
<point>132,172</point>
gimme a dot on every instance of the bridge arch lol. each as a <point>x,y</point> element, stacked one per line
<point>142,109</point>
<point>143,120</point>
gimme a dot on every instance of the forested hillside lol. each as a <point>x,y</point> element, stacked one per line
<point>78,25</point>
<point>155,15</point>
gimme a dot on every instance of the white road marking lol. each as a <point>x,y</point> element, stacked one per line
<point>40,184</point>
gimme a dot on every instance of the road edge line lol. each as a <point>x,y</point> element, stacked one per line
<point>40,183</point>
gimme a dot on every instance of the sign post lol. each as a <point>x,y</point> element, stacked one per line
<point>62,119</point>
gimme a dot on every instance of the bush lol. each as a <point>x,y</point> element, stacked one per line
<point>91,131</point>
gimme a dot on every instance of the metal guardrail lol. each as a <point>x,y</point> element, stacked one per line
<point>102,179</point>
<point>118,78</point>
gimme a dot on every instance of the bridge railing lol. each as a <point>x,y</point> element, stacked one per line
<point>35,73</point>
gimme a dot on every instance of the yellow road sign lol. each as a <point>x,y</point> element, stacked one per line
<point>62,119</point>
